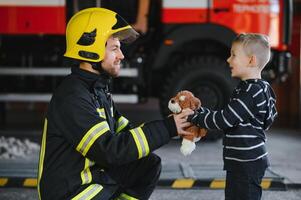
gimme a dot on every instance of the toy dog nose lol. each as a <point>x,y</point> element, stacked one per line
<point>172,101</point>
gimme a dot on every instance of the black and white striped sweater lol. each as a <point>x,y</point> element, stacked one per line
<point>250,112</point>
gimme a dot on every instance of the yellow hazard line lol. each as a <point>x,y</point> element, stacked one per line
<point>212,184</point>
<point>176,184</point>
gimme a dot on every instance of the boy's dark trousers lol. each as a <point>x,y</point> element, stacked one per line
<point>137,179</point>
<point>244,183</point>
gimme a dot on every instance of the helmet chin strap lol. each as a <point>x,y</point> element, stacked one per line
<point>98,67</point>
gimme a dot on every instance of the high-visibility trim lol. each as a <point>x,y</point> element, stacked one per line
<point>89,192</point>
<point>86,175</point>
<point>121,123</point>
<point>42,155</point>
<point>101,112</point>
<point>141,142</point>
<point>145,142</point>
<point>183,183</point>
<point>90,137</point>
<point>124,196</point>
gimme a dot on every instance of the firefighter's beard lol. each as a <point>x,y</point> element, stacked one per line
<point>111,70</point>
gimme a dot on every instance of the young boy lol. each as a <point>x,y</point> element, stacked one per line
<point>245,119</point>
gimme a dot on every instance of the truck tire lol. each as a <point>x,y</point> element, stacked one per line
<point>208,77</point>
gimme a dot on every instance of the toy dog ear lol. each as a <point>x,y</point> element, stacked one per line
<point>197,102</point>
<point>192,104</point>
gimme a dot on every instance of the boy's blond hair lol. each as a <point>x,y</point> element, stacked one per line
<point>257,45</point>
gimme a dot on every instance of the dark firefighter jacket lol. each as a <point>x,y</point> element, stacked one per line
<point>84,134</point>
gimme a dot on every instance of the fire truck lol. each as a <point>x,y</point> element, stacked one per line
<point>185,47</point>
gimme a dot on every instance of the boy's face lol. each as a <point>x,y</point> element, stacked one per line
<point>113,56</point>
<point>239,62</point>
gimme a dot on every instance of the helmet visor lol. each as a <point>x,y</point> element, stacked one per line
<point>126,33</point>
<point>127,36</point>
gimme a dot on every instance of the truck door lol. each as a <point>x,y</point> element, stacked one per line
<point>260,16</point>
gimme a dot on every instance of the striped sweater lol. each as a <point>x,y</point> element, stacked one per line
<point>250,112</point>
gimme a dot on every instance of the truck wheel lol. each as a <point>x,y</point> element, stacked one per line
<point>209,78</point>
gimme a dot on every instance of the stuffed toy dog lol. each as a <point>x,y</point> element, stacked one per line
<point>185,99</point>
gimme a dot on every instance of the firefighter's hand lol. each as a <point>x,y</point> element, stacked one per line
<point>181,122</point>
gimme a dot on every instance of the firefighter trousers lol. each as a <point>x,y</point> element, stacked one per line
<point>135,180</point>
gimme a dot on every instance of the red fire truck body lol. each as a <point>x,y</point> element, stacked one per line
<point>237,15</point>
<point>185,47</point>
<point>33,17</point>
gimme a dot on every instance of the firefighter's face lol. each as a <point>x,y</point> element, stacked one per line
<point>113,56</point>
<point>239,62</point>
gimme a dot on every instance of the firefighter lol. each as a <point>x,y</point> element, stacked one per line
<point>89,149</point>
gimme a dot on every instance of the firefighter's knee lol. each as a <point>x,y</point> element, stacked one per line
<point>155,165</point>
<point>155,160</point>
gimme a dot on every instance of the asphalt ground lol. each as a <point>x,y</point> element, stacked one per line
<point>163,194</point>
<point>178,172</point>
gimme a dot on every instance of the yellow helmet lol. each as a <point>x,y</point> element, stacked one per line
<point>88,31</point>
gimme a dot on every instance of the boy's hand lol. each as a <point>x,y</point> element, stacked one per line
<point>181,121</point>
<point>188,110</point>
